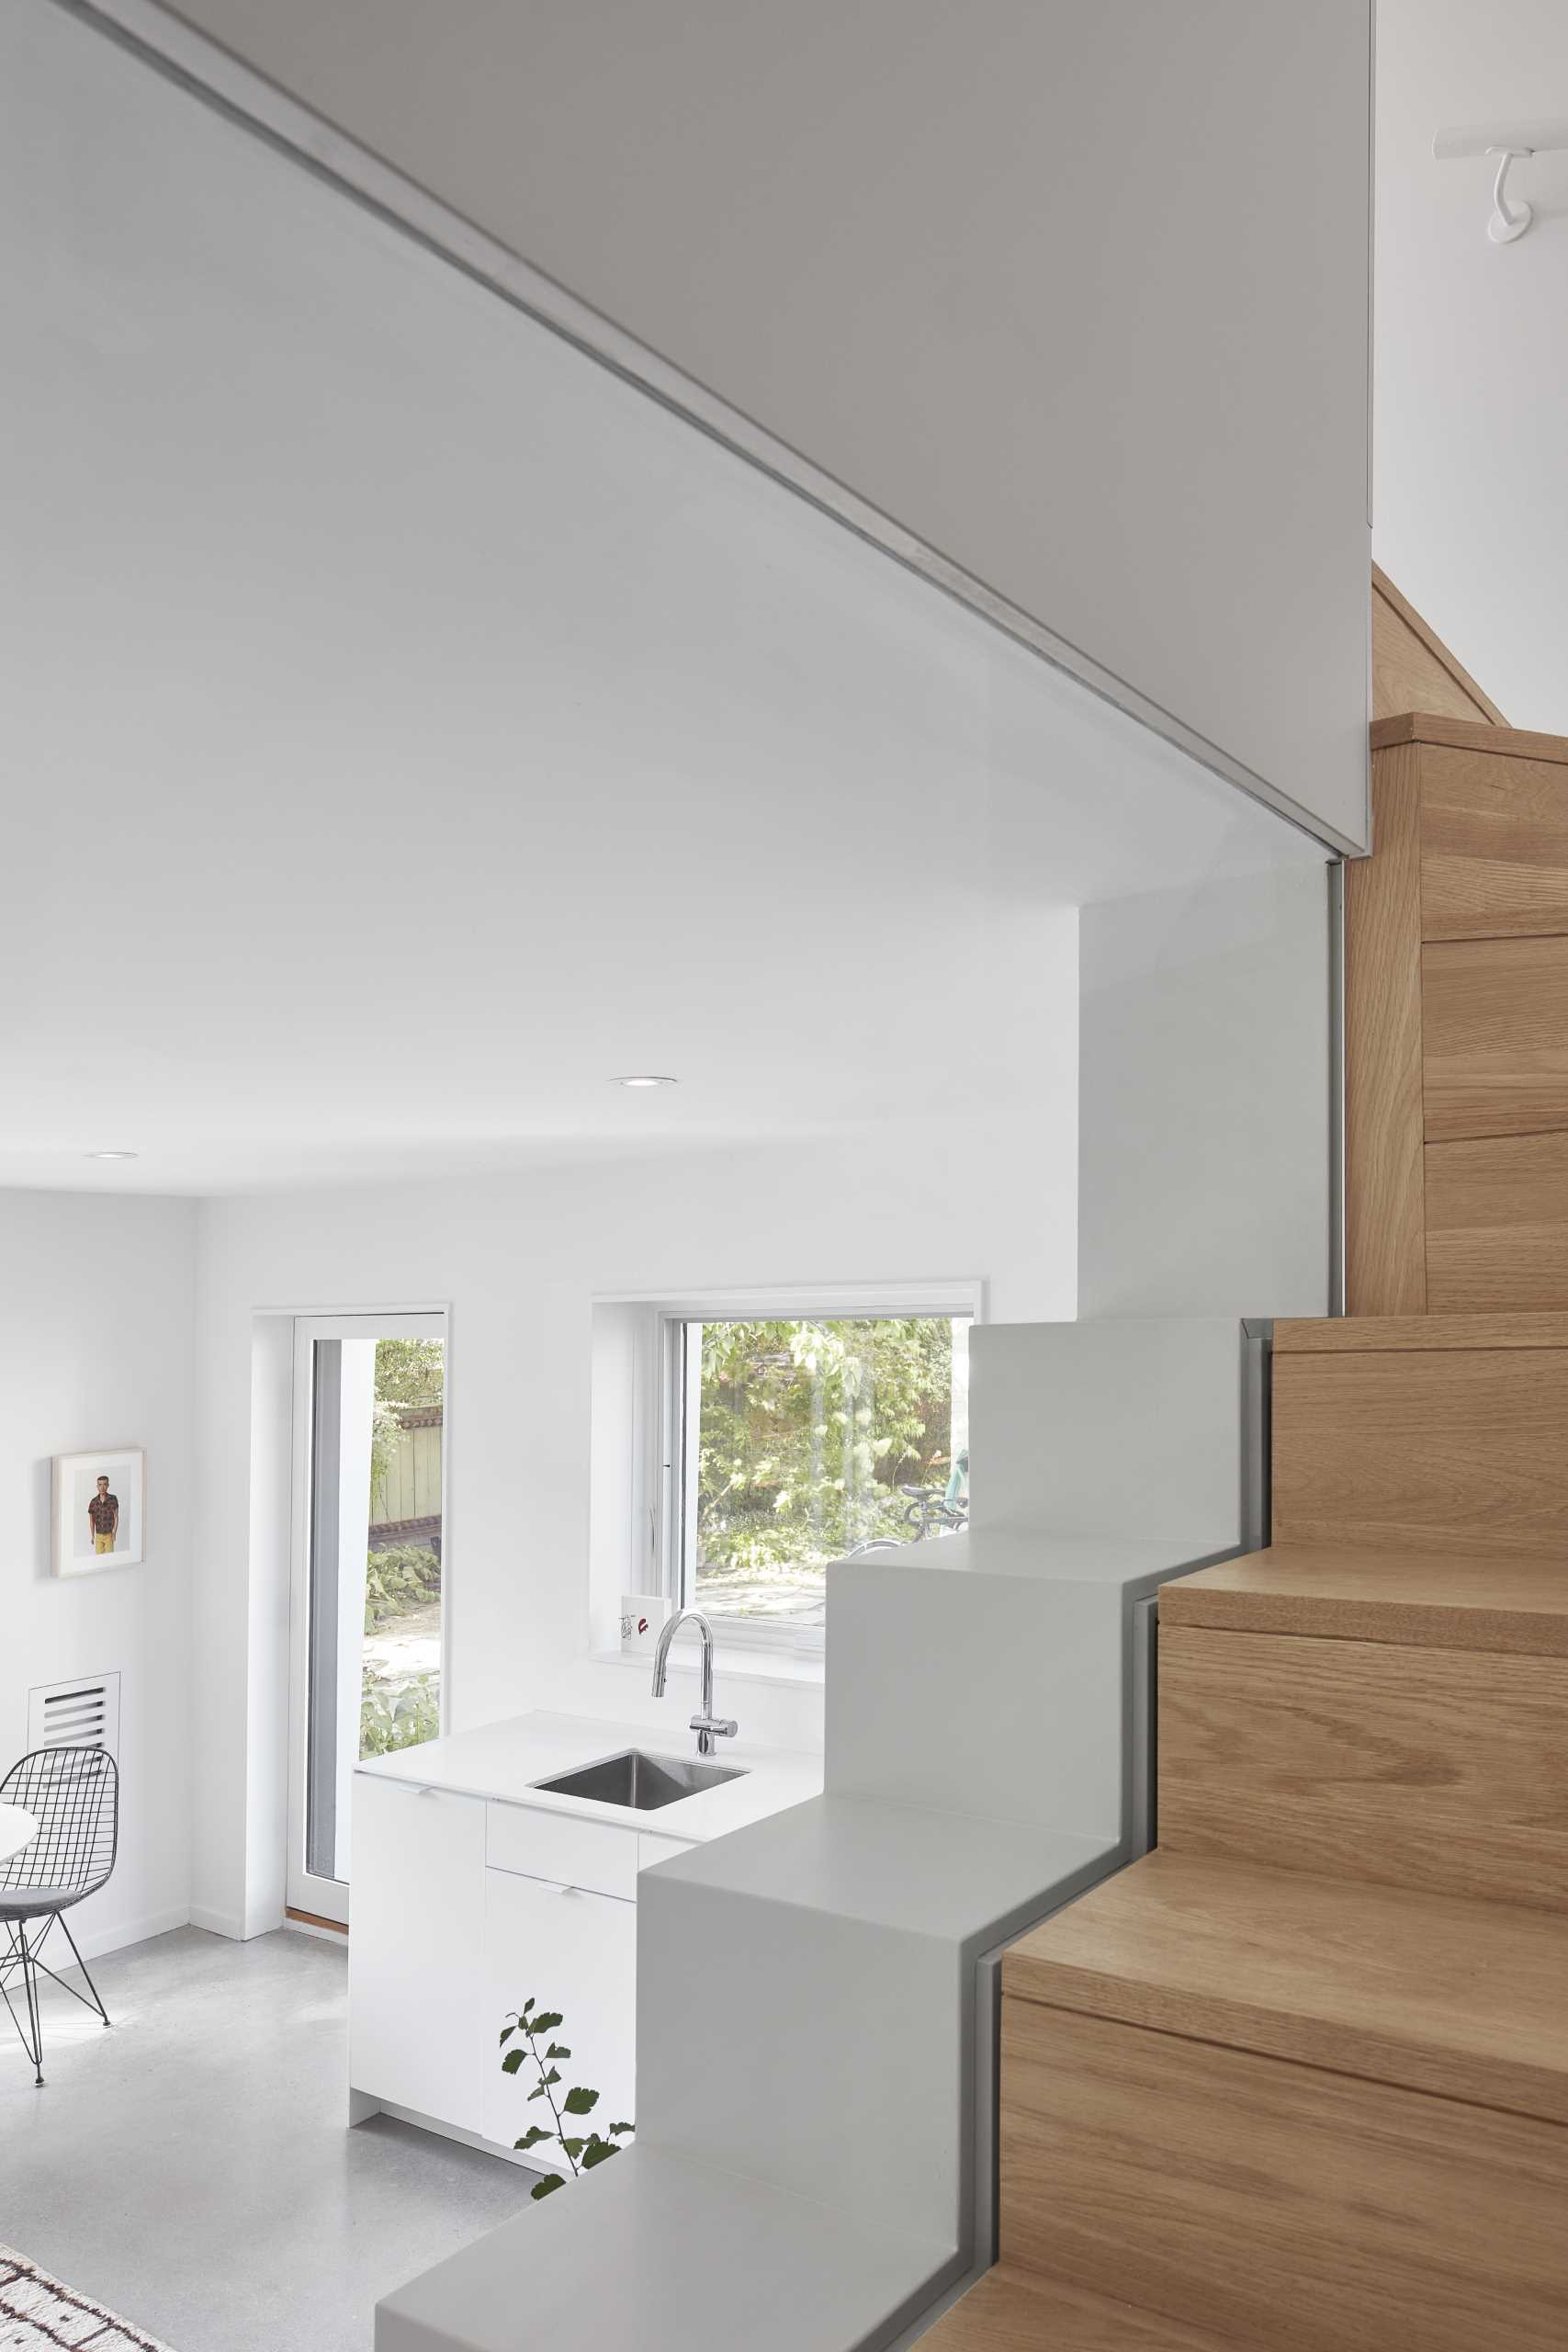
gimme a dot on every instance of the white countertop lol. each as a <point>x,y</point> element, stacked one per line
<point>952,1875</point>
<point>1137,1561</point>
<point>503,1761</point>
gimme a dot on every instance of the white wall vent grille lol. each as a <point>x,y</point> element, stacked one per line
<point>83,1712</point>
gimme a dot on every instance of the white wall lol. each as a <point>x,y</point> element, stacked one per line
<point>99,1300</point>
<point>1202,1034</point>
<point>1075,294</point>
<point>1203,1169</point>
<point>1472,473</point>
<point>518,1260</point>
<point>1203,1189</point>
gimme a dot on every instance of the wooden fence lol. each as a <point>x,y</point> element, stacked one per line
<point>405,1505</point>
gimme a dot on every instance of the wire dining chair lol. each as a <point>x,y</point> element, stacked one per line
<point>74,1795</point>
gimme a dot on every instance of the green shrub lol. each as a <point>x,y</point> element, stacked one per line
<point>398,1581</point>
<point>401,1712</point>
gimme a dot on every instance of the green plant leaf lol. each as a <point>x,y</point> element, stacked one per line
<point>527,2005</point>
<point>546,2022</point>
<point>623,2127</point>
<point>506,2033</point>
<point>513,2060</point>
<point>531,2137</point>
<point>581,2102</point>
<point>557,2050</point>
<point>537,2091</point>
<point>548,2186</point>
<point>596,2151</point>
<point>573,2147</point>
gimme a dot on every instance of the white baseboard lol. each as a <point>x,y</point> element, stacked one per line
<point>116,1937</point>
<point>218,1923</point>
<point>364,2104</point>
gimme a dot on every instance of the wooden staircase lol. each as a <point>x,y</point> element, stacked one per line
<point>1298,2080</point>
<point>1457,1025</point>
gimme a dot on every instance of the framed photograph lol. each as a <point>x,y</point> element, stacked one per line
<point>98,1502</point>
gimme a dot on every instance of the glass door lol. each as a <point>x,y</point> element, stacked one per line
<point>368,1574</point>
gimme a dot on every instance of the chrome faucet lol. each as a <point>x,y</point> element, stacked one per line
<point>706,1724</point>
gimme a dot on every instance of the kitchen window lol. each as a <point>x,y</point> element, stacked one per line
<point>788,1439</point>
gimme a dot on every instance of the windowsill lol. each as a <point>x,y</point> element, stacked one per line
<point>791,1672</point>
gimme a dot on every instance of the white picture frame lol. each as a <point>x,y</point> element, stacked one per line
<point>84,1483</point>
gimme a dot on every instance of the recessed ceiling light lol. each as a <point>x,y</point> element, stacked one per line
<point>648,1081</point>
<point>112,1155</point>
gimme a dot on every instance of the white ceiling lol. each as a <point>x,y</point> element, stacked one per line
<point>1471,452</point>
<point>408,727</point>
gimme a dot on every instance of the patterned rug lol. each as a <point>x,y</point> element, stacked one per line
<point>38,2314</point>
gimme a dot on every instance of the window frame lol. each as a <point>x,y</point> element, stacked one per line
<point>670,1431</point>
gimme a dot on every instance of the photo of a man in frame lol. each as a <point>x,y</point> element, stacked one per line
<point>102,1516</point>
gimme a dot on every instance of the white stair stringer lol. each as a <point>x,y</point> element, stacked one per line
<point>814,2065</point>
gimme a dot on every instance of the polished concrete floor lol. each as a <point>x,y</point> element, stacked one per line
<point>191,2167</point>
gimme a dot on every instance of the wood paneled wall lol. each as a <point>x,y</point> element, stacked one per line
<point>1456,1023</point>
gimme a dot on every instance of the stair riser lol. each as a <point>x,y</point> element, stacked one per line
<point>1441,1769</point>
<point>1302,2211</point>
<point>1453,1449</point>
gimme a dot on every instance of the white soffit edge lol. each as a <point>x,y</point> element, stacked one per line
<point>214,72</point>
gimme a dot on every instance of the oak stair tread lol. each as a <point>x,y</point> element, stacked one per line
<point>1384,1334</point>
<point>1463,1999</point>
<point>1467,735</point>
<point>1011,2310</point>
<point>1505,1602</point>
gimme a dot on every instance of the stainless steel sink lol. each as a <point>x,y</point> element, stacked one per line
<point>640,1783</point>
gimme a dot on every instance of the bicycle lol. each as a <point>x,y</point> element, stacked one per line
<point>929,1509</point>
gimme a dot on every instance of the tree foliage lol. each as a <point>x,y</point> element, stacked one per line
<point>410,1372</point>
<point>809,1429</point>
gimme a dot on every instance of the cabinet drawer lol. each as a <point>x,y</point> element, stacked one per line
<point>556,1846</point>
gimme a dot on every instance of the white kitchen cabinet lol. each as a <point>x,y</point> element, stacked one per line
<point>416,1970</point>
<point>474,1886</point>
<point>574,1951</point>
<point>596,1854</point>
